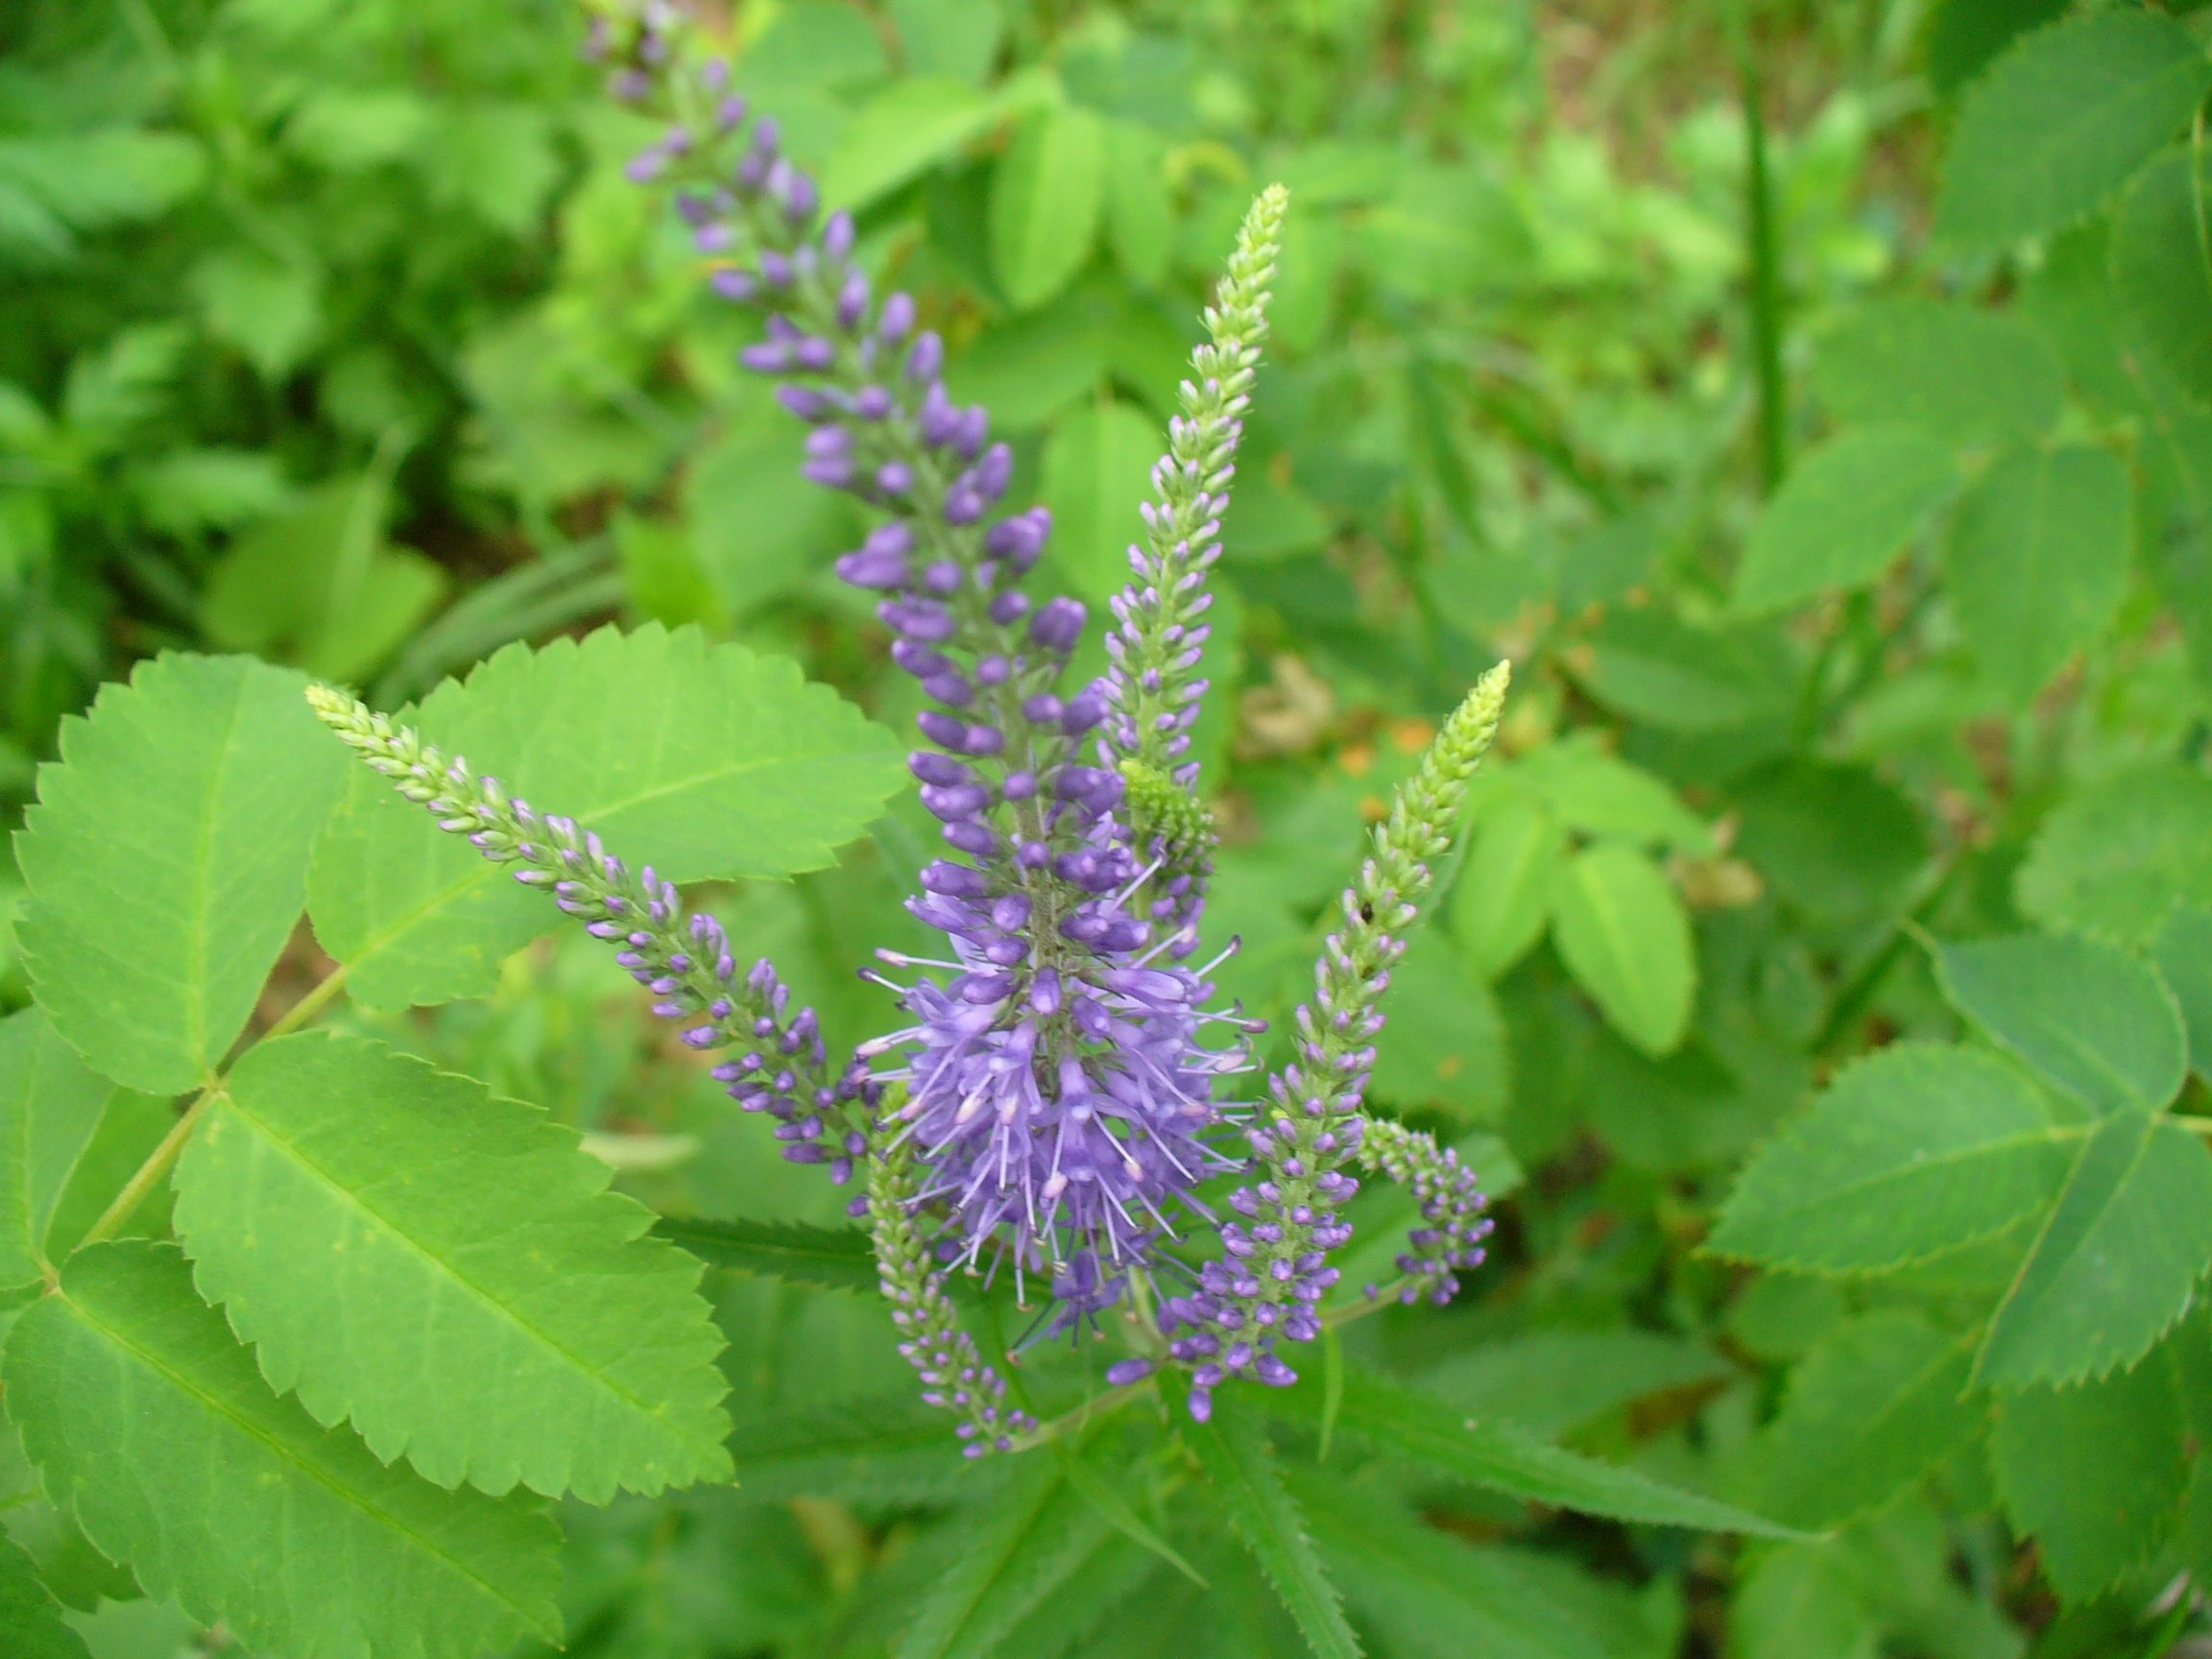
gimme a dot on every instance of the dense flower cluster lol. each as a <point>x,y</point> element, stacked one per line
<point>1058,1092</point>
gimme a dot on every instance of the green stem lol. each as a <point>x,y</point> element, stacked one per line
<point>1766,272</point>
<point>149,1174</point>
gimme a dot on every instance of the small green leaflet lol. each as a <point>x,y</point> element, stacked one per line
<point>1954,374</point>
<point>151,1423</point>
<point>2096,1472</point>
<point>1625,937</point>
<point>1098,469</point>
<point>2037,559</point>
<point>908,128</point>
<point>1844,511</point>
<point>704,762</point>
<point>1503,899</point>
<point>166,862</point>
<point>2183,952</point>
<point>478,1302</point>
<point>2115,1264</point>
<point>2162,271</point>
<point>2115,856</point>
<point>1241,1477</point>
<point>30,1617</point>
<point>830,1258</point>
<point>2093,1019</point>
<point>2063,119</point>
<point>1016,1549</point>
<point>1880,1402</point>
<point>1495,1456</point>
<point>1914,1151</point>
<point>50,1104</point>
<point>1046,197</point>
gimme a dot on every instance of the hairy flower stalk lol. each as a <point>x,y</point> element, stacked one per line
<point>1276,1267</point>
<point>686,961</point>
<point>1056,1092</point>
<point>952,1369</point>
<point>1159,641</point>
<point>1450,1199</point>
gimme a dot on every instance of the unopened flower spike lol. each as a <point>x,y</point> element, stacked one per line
<point>779,1062</point>
<point>1267,1286</point>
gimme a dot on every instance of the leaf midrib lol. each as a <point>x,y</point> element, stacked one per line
<point>544,1338</point>
<point>287,1455</point>
<point>2047,1135</point>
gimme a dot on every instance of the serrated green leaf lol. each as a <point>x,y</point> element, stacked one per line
<point>2088,1018</point>
<point>1844,511</point>
<point>50,1105</point>
<point>1913,1151</point>
<point>2162,271</point>
<point>1877,1404</point>
<point>30,1617</point>
<point>1965,36</point>
<point>2183,952</point>
<point>832,1257</point>
<point>2037,558</point>
<point>1501,1457</point>
<point>1956,374</point>
<point>706,761</point>
<point>1046,201</point>
<point>1624,935</point>
<point>150,1422</point>
<point>582,1359</point>
<point>2117,856</point>
<point>2115,1264</point>
<point>1097,472</point>
<point>2096,1472</point>
<point>878,1450</point>
<point>1017,1550</point>
<point>1502,898</point>
<point>167,861</point>
<point>1241,1477</point>
<point>1431,1594</point>
<point>2062,120</point>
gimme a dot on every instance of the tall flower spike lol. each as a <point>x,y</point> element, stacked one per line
<point>1058,1096</point>
<point>952,1372</point>
<point>1159,641</point>
<point>781,1064</point>
<point>1276,1265</point>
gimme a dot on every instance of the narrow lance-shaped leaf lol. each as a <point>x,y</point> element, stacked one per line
<point>712,761</point>
<point>1019,1547</point>
<point>166,861</point>
<point>2116,1262</point>
<point>829,1258</point>
<point>150,1422</point>
<point>478,1302</point>
<point>1911,1153</point>
<point>1242,1476</point>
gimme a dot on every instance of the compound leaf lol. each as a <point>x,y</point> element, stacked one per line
<point>2037,559</point>
<point>1625,937</point>
<point>1232,1447</point>
<point>2089,1017</point>
<point>166,861</point>
<point>1914,1151</point>
<point>2062,120</point>
<point>705,760</point>
<point>148,1420</point>
<point>1845,511</point>
<point>2097,1473</point>
<point>1501,1457</point>
<point>2116,1262</point>
<point>50,1104</point>
<point>477,1301</point>
<point>1880,1402</point>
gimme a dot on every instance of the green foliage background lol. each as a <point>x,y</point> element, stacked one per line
<point>1814,399</point>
